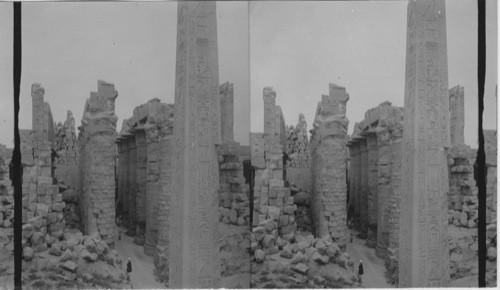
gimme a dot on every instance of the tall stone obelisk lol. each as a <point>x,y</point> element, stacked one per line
<point>193,249</point>
<point>423,243</point>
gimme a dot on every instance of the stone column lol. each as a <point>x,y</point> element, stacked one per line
<point>227,112</point>
<point>329,169</point>
<point>193,247</point>
<point>394,205</point>
<point>126,182</point>
<point>372,147</point>
<point>269,96</point>
<point>457,115</point>
<point>164,201</point>
<point>119,171</point>
<point>352,197</point>
<point>384,185</point>
<point>355,184</point>
<point>132,196</point>
<point>98,136</point>
<point>38,118</point>
<point>141,209</point>
<point>363,184</point>
<point>423,247</point>
<point>153,189</point>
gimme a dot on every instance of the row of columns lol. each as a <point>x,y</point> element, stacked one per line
<point>142,161</point>
<point>374,177</point>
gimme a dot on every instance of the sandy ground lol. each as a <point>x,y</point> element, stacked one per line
<point>373,266</point>
<point>142,276</point>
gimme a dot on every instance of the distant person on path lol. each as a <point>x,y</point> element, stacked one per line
<point>360,268</point>
<point>129,269</point>
<point>351,237</point>
<point>129,266</point>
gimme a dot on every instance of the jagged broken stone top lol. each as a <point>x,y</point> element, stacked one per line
<point>152,114</point>
<point>226,87</point>
<point>269,93</point>
<point>37,90</point>
<point>385,115</point>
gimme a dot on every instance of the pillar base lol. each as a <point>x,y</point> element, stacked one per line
<point>371,243</point>
<point>149,249</point>
<point>139,240</point>
<point>372,236</point>
<point>392,258</point>
<point>362,235</point>
<point>130,232</point>
<point>380,252</point>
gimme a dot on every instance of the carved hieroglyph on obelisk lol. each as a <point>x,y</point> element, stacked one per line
<point>193,249</point>
<point>423,243</point>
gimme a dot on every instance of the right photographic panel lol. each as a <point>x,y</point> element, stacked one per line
<point>364,138</point>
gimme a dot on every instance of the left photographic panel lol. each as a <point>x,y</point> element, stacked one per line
<point>135,171</point>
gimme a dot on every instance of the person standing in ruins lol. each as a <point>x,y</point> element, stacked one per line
<point>360,268</point>
<point>129,268</point>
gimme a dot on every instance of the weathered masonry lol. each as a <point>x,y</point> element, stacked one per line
<point>329,166</point>
<point>42,203</point>
<point>97,162</point>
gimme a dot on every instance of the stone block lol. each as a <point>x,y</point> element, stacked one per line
<point>273,212</point>
<point>42,209</point>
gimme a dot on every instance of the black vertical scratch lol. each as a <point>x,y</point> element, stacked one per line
<point>16,157</point>
<point>480,161</point>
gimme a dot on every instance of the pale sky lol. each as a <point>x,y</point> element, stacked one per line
<point>300,47</point>
<point>296,47</point>
<point>67,47</point>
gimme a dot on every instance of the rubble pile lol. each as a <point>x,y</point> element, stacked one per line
<point>73,260</point>
<point>298,259</point>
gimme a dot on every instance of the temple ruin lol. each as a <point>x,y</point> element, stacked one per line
<point>291,209</point>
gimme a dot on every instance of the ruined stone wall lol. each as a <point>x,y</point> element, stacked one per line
<point>490,148</point>
<point>42,203</point>
<point>6,188</point>
<point>272,200</point>
<point>297,167</point>
<point>97,161</point>
<point>329,166</point>
<point>66,149</point>
<point>6,200</point>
